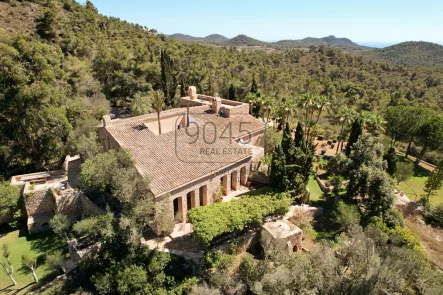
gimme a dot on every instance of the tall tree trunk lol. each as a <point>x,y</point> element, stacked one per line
<point>409,147</point>
<point>264,140</point>
<point>28,136</point>
<point>341,137</point>
<point>422,153</point>
<point>318,117</point>
<point>159,124</point>
<point>12,279</point>
<point>34,275</point>
<point>9,272</point>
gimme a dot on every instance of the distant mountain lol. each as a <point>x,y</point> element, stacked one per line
<point>214,38</point>
<point>330,40</point>
<point>410,53</point>
<point>243,40</point>
<point>183,37</point>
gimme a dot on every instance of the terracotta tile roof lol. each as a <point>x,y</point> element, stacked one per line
<point>176,158</point>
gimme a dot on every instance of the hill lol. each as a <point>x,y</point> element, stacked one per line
<point>214,38</point>
<point>65,62</point>
<point>411,54</point>
<point>243,40</point>
<point>330,41</point>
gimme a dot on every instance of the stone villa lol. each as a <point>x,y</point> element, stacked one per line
<point>206,144</point>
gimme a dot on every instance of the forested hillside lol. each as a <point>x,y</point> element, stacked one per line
<point>63,64</point>
<point>424,54</point>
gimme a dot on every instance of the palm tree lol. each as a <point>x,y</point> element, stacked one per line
<point>366,119</point>
<point>287,108</point>
<point>310,124</point>
<point>377,124</point>
<point>321,103</point>
<point>158,103</point>
<point>305,102</point>
<point>268,107</point>
<point>254,103</point>
<point>345,116</point>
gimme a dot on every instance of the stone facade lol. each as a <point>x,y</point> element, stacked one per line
<point>186,173</point>
<point>202,191</point>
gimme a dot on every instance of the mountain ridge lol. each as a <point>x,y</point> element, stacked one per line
<point>244,40</point>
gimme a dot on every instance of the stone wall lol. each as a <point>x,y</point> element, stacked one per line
<point>212,183</point>
<point>106,140</point>
<point>69,204</point>
<point>88,208</point>
<point>38,201</point>
<point>240,109</point>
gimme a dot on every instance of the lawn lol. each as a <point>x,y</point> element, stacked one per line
<point>417,184</point>
<point>37,245</point>
<point>314,189</point>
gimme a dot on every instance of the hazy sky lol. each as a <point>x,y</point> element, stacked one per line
<point>387,21</point>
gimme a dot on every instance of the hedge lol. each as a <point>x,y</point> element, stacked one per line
<point>216,219</point>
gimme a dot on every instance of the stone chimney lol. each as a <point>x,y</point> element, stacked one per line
<point>192,92</point>
<point>216,104</point>
<point>106,120</point>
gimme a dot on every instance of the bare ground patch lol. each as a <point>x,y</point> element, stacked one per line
<point>431,238</point>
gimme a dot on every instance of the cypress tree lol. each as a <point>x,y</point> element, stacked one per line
<point>286,142</point>
<point>356,131</point>
<point>277,176</point>
<point>254,87</point>
<point>168,77</point>
<point>231,92</point>
<point>299,136</point>
<point>391,159</point>
<point>182,89</point>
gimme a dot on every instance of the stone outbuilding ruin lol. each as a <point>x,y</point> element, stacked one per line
<point>284,234</point>
<point>48,193</point>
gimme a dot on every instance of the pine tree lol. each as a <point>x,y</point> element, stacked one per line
<point>286,142</point>
<point>434,181</point>
<point>277,176</point>
<point>299,138</point>
<point>391,159</point>
<point>356,131</point>
<point>47,24</point>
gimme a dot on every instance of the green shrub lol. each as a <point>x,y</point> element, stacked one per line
<point>435,216</point>
<point>219,260</point>
<point>219,218</point>
<point>346,215</point>
<point>335,179</point>
<point>95,226</point>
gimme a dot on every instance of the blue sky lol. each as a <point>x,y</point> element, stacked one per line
<point>371,21</point>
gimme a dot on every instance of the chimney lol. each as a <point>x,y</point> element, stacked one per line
<point>106,120</point>
<point>192,92</point>
<point>216,104</point>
